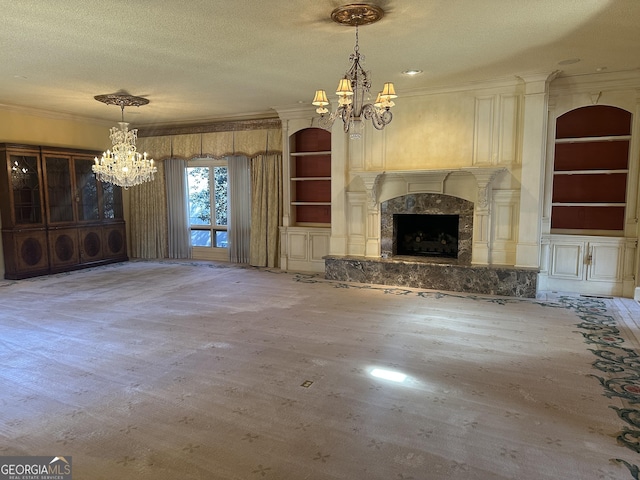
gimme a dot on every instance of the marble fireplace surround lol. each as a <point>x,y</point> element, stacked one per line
<point>425,194</point>
<point>427,203</point>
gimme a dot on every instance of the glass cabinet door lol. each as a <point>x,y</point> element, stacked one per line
<point>26,189</point>
<point>112,201</point>
<point>59,190</point>
<point>86,190</point>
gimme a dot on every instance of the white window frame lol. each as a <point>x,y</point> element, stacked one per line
<point>209,253</point>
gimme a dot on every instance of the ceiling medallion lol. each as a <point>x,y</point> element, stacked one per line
<point>121,99</point>
<point>357,14</point>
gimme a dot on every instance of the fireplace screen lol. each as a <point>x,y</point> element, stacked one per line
<point>426,235</point>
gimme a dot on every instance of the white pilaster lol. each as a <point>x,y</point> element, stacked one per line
<point>338,243</point>
<point>534,140</point>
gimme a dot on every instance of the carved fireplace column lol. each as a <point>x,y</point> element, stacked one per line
<point>481,253</point>
<point>372,184</point>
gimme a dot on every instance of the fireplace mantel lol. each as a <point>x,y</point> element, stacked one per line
<point>430,181</point>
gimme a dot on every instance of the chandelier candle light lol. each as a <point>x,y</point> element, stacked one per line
<point>354,87</point>
<point>123,165</point>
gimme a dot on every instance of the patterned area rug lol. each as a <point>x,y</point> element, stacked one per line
<point>165,370</point>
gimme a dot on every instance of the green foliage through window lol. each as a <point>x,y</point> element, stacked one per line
<point>201,205</point>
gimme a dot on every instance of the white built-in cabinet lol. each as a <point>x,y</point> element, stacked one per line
<point>591,245</point>
<point>306,232</point>
<point>306,248</point>
<point>585,264</point>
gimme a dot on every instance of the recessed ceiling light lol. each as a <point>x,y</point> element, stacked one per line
<point>569,61</point>
<point>412,72</point>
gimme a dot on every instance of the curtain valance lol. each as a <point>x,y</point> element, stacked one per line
<point>212,144</point>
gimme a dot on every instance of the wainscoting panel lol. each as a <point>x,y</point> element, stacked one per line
<point>508,129</point>
<point>483,130</point>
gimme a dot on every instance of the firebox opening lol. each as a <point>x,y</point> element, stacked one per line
<point>426,235</point>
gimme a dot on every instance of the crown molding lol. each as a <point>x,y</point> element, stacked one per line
<point>36,112</point>
<point>629,79</point>
<point>495,83</point>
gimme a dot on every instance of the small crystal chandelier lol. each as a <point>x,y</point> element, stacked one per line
<point>123,165</point>
<point>353,89</point>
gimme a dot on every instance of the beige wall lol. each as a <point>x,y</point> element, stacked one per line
<point>53,130</point>
<point>430,132</point>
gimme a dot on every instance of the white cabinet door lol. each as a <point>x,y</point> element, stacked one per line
<point>604,262</point>
<point>567,260</point>
<point>318,246</point>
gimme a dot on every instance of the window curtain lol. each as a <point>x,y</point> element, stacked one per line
<point>179,241</point>
<point>266,209</point>
<point>148,217</point>
<point>239,221</point>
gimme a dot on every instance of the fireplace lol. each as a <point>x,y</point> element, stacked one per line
<point>426,235</point>
<point>413,228</point>
<point>430,226</point>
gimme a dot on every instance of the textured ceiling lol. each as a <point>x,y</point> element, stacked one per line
<point>204,60</point>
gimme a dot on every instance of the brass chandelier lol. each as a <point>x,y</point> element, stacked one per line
<point>353,88</point>
<point>123,165</point>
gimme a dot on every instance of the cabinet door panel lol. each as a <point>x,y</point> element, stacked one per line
<point>605,262</point>
<point>567,261</point>
<point>27,252</point>
<point>25,189</point>
<point>86,190</point>
<point>318,246</point>
<point>297,247</point>
<point>90,244</point>
<point>111,201</point>
<point>113,241</point>
<point>63,248</point>
<point>58,189</point>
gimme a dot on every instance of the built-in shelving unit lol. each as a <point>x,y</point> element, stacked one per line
<point>311,177</point>
<point>586,250</point>
<point>590,169</point>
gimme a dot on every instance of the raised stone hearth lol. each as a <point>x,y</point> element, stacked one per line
<point>425,273</point>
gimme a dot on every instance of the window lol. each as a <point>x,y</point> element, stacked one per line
<point>207,183</point>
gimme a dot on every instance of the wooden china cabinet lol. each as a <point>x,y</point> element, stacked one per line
<point>55,215</point>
